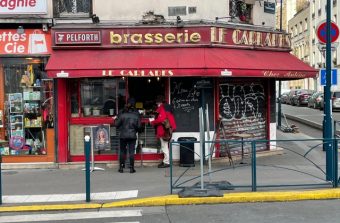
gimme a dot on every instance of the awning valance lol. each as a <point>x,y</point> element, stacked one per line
<point>177,62</point>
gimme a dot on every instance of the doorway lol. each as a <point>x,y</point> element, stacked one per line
<point>146,90</point>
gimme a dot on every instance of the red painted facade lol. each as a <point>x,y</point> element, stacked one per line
<point>219,53</point>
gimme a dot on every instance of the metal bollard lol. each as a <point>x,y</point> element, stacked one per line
<point>253,166</point>
<point>87,167</point>
<point>171,163</point>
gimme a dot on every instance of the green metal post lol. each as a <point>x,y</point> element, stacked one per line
<point>335,163</point>
<point>279,108</point>
<point>170,155</point>
<point>253,166</point>
<point>279,101</point>
<point>327,122</point>
<point>87,167</point>
<point>204,123</point>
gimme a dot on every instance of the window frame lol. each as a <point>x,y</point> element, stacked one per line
<point>79,112</point>
<point>58,14</point>
<point>177,11</point>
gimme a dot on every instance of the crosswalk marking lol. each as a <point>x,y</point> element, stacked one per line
<point>71,216</point>
<point>69,197</point>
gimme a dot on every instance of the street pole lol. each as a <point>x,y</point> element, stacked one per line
<point>87,167</point>
<point>279,101</point>
<point>327,122</point>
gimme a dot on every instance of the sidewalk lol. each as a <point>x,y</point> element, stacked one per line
<point>149,186</point>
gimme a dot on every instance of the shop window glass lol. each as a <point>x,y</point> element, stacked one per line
<point>101,97</point>
<point>91,95</point>
<point>28,107</point>
<point>71,8</point>
<point>77,139</point>
<point>74,98</point>
<point>91,98</point>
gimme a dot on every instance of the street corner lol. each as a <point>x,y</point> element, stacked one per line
<point>227,198</point>
<point>243,197</point>
<point>48,207</point>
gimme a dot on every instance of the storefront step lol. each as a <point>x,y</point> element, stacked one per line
<point>110,164</point>
<point>44,165</point>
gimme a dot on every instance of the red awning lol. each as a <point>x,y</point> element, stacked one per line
<point>177,62</point>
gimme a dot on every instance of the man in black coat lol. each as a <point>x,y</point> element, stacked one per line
<point>129,124</point>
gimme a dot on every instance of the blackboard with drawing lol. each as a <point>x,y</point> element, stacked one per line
<point>186,100</point>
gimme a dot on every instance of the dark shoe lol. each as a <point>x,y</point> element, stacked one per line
<point>132,170</point>
<point>164,165</point>
<point>120,170</point>
<point>160,165</point>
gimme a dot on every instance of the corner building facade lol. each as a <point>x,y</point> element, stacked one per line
<point>230,71</point>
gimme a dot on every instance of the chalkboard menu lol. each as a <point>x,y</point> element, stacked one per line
<point>242,108</point>
<point>187,95</point>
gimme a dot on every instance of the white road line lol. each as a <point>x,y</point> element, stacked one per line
<point>71,216</point>
<point>125,222</point>
<point>69,197</point>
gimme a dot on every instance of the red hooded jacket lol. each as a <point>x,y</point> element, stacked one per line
<point>159,120</point>
<point>172,121</point>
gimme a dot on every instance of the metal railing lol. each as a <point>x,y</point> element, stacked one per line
<point>290,163</point>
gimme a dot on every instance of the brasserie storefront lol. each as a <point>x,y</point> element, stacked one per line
<point>96,69</point>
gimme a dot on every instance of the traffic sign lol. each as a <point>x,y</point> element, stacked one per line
<point>334,80</point>
<point>321,32</point>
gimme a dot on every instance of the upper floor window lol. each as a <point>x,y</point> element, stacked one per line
<point>177,10</point>
<point>241,10</point>
<point>300,28</point>
<point>72,8</point>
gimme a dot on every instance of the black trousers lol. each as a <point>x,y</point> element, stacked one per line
<point>127,144</point>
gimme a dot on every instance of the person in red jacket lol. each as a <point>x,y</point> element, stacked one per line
<point>160,131</point>
<point>170,115</point>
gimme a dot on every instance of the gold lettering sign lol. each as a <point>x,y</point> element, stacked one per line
<point>295,75</point>
<point>252,38</point>
<point>158,38</point>
<point>218,35</point>
<point>270,73</point>
<point>138,73</point>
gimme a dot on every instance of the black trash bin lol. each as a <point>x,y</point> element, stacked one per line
<point>187,151</point>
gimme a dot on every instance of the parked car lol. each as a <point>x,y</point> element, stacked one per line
<point>290,96</point>
<point>283,97</point>
<point>301,97</point>
<point>335,97</point>
<point>314,100</point>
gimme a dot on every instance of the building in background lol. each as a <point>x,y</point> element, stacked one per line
<point>318,16</point>
<point>299,29</point>
<point>288,12</point>
<point>311,52</point>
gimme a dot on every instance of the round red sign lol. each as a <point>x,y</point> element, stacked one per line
<point>321,32</point>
